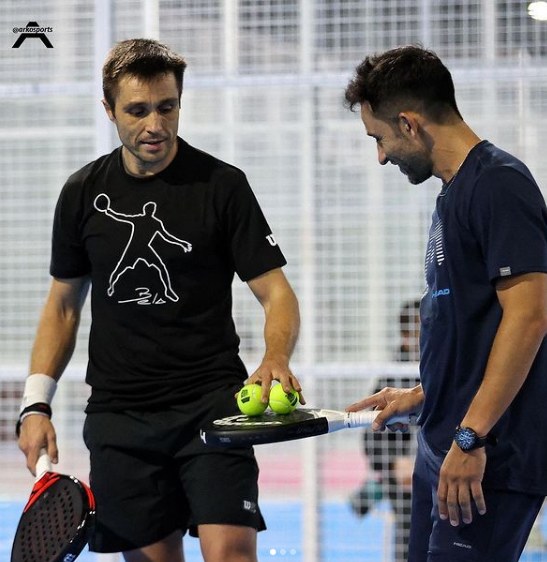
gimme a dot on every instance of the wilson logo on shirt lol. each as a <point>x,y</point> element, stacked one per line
<point>270,238</point>
<point>145,227</point>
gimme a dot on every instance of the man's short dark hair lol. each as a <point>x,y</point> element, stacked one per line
<point>144,58</point>
<point>402,79</point>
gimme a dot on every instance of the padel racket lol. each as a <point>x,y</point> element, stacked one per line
<point>56,520</point>
<point>235,431</point>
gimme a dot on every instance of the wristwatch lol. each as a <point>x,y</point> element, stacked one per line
<point>468,440</point>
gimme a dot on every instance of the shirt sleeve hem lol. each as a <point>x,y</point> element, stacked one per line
<point>250,274</point>
<point>497,274</point>
<point>64,274</point>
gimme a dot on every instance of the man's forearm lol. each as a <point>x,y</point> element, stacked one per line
<point>281,327</point>
<point>54,343</point>
<point>513,351</point>
<point>53,347</point>
<point>58,326</point>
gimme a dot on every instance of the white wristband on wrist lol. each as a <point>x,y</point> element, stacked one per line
<point>39,388</point>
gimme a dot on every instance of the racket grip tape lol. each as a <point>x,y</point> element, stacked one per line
<point>365,419</point>
<point>43,464</point>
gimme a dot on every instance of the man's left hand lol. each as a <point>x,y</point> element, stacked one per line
<point>460,484</point>
<point>275,369</point>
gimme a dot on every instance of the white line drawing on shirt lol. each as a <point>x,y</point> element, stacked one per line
<point>144,228</point>
<point>144,296</point>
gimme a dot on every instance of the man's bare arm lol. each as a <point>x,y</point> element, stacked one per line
<point>520,333</point>
<point>522,329</point>
<point>53,348</point>
<point>56,334</point>
<point>282,324</point>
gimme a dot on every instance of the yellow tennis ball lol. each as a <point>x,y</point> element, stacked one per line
<point>248,400</point>
<point>283,402</point>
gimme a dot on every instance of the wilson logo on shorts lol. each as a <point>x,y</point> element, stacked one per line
<point>249,506</point>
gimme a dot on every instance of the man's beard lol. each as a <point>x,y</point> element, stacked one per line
<point>417,169</point>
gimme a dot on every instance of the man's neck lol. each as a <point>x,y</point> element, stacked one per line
<point>139,169</point>
<point>450,147</point>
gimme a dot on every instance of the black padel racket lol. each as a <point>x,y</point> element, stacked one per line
<point>270,427</point>
<point>56,520</point>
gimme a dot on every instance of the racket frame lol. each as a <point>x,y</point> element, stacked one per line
<point>242,430</point>
<point>47,480</point>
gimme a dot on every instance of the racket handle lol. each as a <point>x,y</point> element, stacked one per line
<point>365,419</point>
<point>43,464</point>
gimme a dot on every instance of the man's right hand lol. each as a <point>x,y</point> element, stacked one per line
<point>37,433</point>
<point>391,402</point>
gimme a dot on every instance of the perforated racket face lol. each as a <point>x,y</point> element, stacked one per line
<point>269,427</point>
<point>267,419</point>
<point>54,526</point>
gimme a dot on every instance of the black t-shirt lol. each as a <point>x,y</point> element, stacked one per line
<point>161,253</point>
<point>489,223</point>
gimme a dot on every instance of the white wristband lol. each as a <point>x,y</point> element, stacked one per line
<point>38,388</point>
<point>23,416</point>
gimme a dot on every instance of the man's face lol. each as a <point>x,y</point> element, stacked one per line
<point>396,147</point>
<point>147,117</point>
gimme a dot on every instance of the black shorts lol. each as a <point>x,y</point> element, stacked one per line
<point>151,474</point>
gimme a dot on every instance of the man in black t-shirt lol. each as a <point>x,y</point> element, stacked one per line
<point>479,479</point>
<point>158,229</point>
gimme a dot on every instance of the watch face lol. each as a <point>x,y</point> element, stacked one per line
<point>465,438</point>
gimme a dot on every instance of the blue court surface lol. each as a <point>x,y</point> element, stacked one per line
<point>344,536</point>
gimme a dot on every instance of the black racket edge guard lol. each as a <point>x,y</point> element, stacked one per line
<point>78,542</point>
<point>217,436</point>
